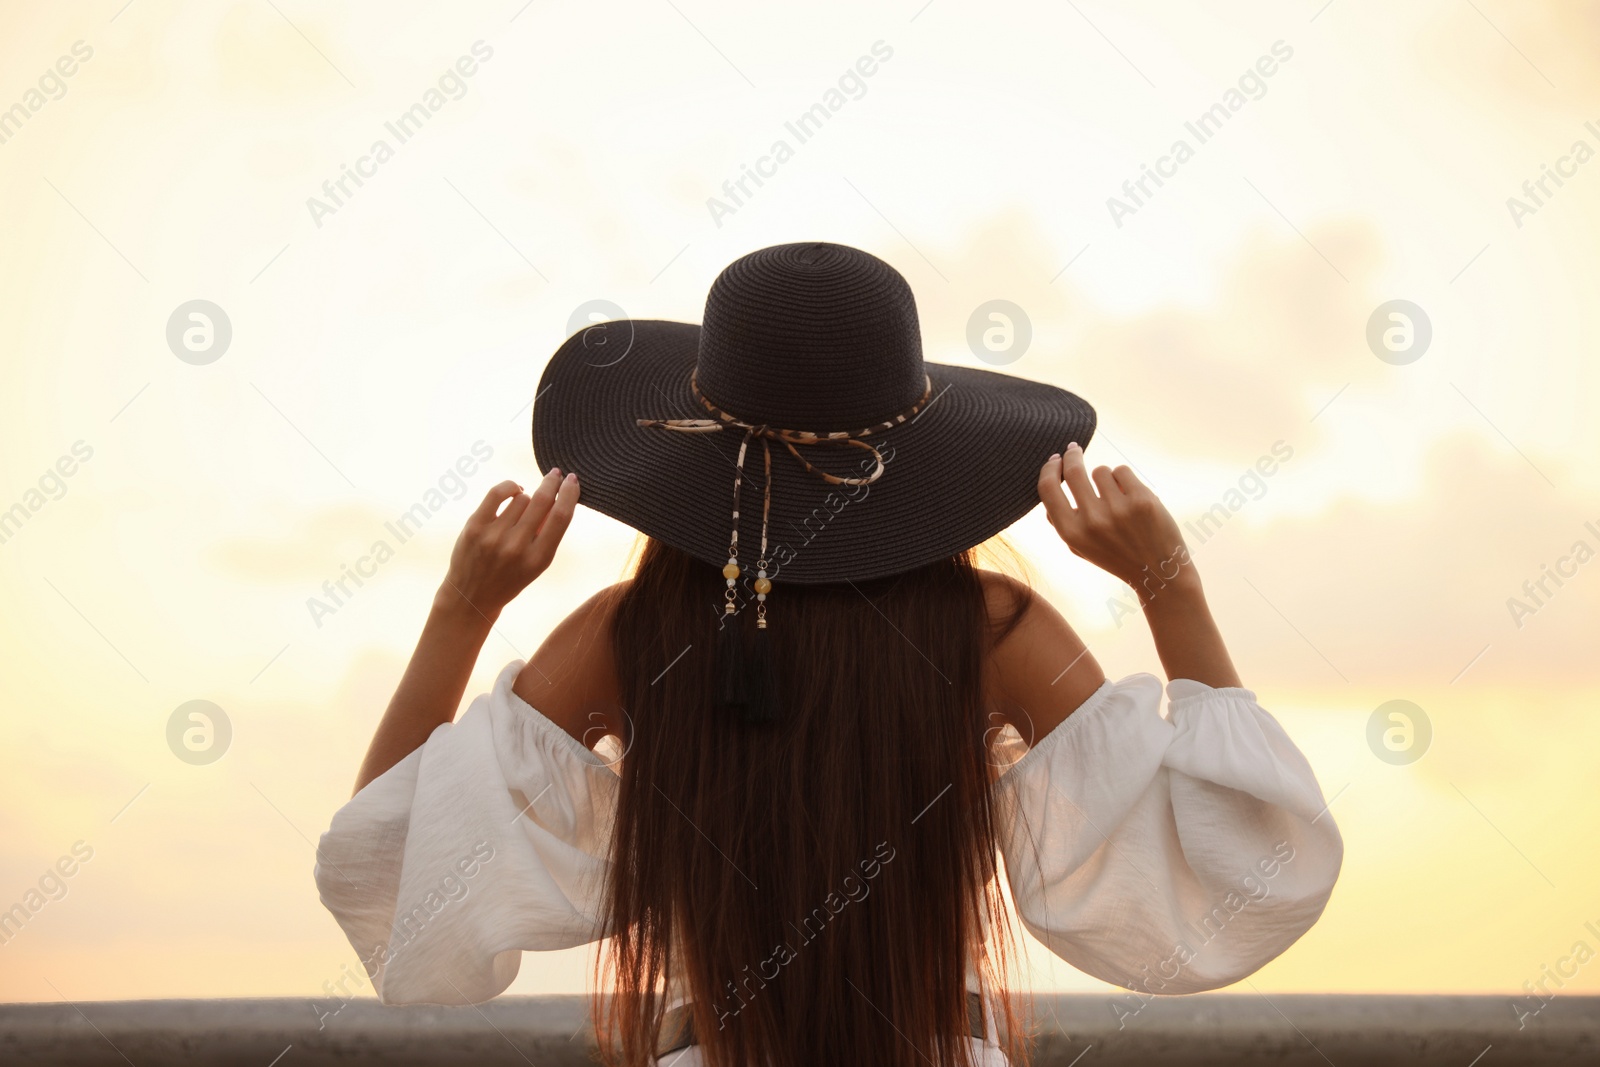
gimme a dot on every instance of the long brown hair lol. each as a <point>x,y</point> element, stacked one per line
<point>821,885</point>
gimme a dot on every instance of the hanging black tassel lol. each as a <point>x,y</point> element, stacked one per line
<point>731,692</point>
<point>761,683</point>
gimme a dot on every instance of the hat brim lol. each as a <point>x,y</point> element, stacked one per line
<point>965,468</point>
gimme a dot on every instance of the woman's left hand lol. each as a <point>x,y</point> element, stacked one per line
<point>498,555</point>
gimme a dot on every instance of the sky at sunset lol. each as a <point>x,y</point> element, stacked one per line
<point>1429,531</point>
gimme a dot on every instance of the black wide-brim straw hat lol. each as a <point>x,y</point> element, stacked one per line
<point>816,338</point>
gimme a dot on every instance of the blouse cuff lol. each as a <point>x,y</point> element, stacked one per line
<point>1224,736</point>
<point>1184,691</point>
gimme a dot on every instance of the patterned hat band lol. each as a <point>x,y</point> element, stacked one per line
<point>734,691</point>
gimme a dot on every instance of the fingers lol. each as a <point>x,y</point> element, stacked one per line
<point>527,523</point>
<point>1077,479</point>
<point>507,519</point>
<point>555,523</point>
<point>1056,505</point>
<point>484,513</point>
<point>1140,497</point>
<point>1106,482</point>
<point>1093,511</point>
<point>1127,481</point>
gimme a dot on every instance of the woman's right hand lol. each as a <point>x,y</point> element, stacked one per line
<point>1122,528</point>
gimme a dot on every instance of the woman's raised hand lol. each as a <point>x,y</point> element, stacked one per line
<point>500,551</point>
<point>1116,523</point>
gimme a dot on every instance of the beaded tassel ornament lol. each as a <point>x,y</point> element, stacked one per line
<point>749,683</point>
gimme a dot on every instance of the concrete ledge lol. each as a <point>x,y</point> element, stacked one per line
<point>1195,1031</point>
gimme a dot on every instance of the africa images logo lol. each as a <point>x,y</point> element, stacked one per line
<point>451,85</point>
<point>1251,85</point>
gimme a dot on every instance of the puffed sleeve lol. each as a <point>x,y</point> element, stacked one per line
<point>491,838</point>
<point>1167,854</point>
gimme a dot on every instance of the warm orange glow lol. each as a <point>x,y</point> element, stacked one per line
<point>1427,531</point>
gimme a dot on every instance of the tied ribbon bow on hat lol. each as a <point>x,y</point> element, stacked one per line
<point>751,685</point>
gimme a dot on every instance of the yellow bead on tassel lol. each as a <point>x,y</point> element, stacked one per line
<point>763,586</point>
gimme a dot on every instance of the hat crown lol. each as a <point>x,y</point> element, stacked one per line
<point>816,336</point>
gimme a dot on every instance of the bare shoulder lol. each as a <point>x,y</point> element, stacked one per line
<point>571,678</point>
<point>1040,670</point>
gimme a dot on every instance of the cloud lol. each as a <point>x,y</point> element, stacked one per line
<point>1411,589</point>
<point>1512,54</point>
<point>1283,334</point>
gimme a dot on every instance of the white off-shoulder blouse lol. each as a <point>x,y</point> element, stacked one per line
<point>1165,854</point>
